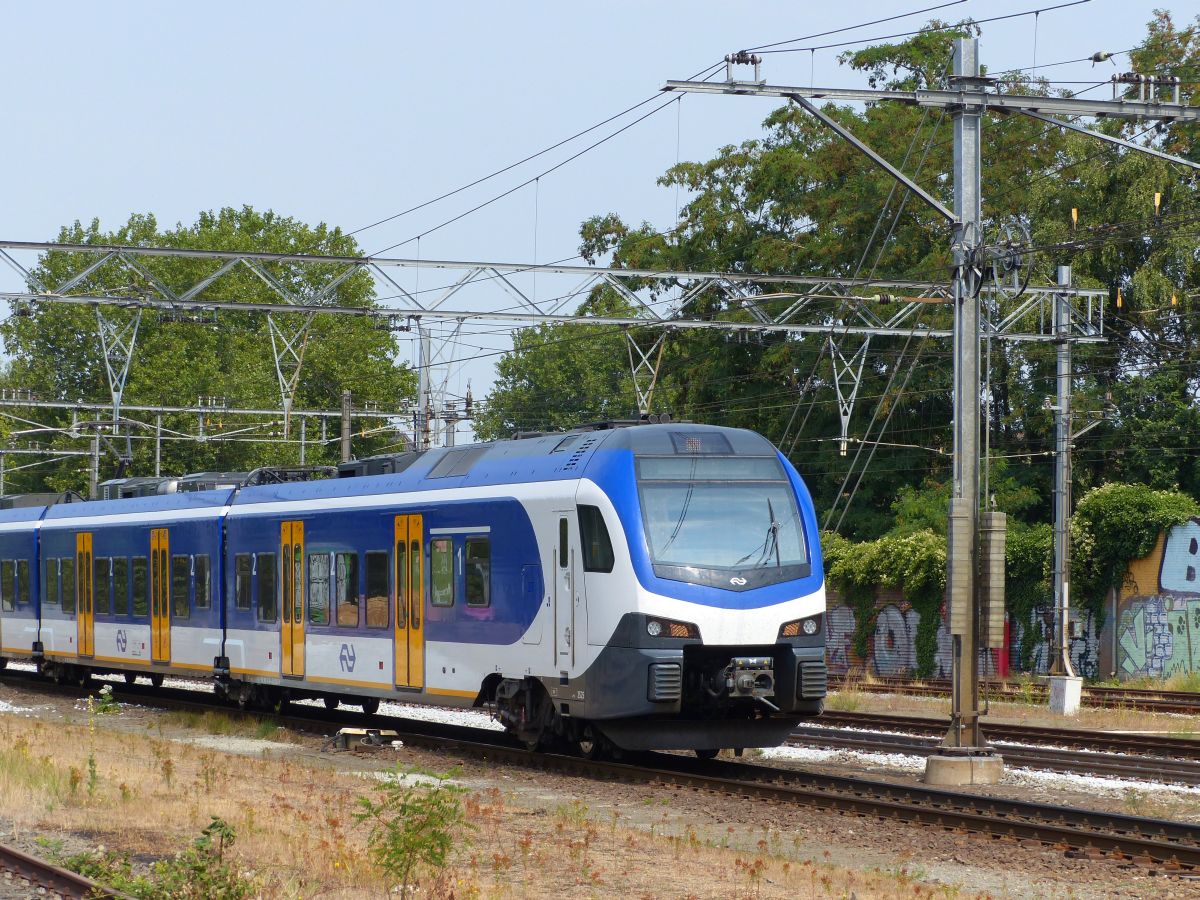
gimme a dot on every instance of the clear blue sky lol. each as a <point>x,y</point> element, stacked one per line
<point>348,112</point>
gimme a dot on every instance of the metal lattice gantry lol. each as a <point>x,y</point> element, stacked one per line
<point>306,285</point>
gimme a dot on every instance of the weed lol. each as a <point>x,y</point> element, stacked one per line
<point>168,772</point>
<point>105,704</point>
<point>413,825</point>
<point>93,777</point>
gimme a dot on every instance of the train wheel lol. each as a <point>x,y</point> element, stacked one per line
<point>707,753</point>
<point>156,680</point>
<point>591,744</point>
<point>130,677</point>
<point>83,676</point>
<point>332,703</point>
<point>370,706</point>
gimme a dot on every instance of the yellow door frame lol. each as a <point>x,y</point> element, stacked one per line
<point>85,624</point>
<point>160,596</point>
<point>291,546</point>
<point>409,621</point>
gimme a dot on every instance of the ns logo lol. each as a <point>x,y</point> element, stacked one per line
<point>740,582</point>
<point>347,657</point>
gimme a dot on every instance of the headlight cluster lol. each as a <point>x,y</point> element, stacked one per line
<point>797,627</point>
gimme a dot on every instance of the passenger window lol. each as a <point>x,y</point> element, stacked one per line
<point>441,572</point>
<point>418,586</point>
<point>264,564</point>
<point>66,577</point>
<point>597,547</point>
<point>318,588</point>
<point>346,571</point>
<point>377,589</point>
<point>289,582</point>
<point>181,571</point>
<point>50,582</point>
<point>141,587</point>
<point>203,580</point>
<point>120,581</point>
<point>7,583</point>
<point>562,543</point>
<point>241,576</point>
<point>479,571</point>
<point>401,585</point>
<point>101,579</point>
<point>22,581</point>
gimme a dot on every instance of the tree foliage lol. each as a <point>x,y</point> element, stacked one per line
<point>56,353</point>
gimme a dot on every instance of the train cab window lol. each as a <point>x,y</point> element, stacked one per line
<point>346,589</point>
<point>377,589</point>
<point>597,547</point>
<point>478,571</point>
<point>202,573</point>
<point>8,580</point>
<point>318,588</point>
<point>141,587</point>
<point>101,580</point>
<point>441,572</point>
<point>22,581</point>
<point>264,565</point>
<point>66,577</point>
<point>50,582</point>
<point>241,577</point>
<point>120,585</point>
<point>181,572</point>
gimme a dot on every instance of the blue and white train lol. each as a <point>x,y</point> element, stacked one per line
<point>648,587</point>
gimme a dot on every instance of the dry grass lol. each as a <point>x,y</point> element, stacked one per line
<point>149,795</point>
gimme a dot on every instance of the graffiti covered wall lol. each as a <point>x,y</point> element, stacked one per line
<point>1158,610</point>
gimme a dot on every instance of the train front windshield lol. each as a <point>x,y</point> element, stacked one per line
<point>721,520</point>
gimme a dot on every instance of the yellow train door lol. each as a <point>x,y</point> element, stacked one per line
<point>410,602</point>
<point>84,610</point>
<point>291,543</point>
<point>160,596</point>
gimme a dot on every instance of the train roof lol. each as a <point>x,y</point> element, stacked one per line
<point>551,457</point>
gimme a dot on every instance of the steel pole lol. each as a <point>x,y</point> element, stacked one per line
<point>345,426</point>
<point>962,560</point>
<point>1060,660</point>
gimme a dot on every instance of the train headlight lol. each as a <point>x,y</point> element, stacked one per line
<point>797,627</point>
<point>671,629</point>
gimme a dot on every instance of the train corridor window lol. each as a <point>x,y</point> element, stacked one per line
<point>241,580</point>
<point>49,582</point>
<point>22,581</point>
<point>101,579</point>
<point>264,566</point>
<point>346,589</point>
<point>141,587</point>
<point>181,575</point>
<point>66,576</point>
<point>441,572</point>
<point>597,546</point>
<point>120,580</point>
<point>318,588</point>
<point>8,580</point>
<point>203,577</point>
<point>377,589</point>
<point>479,571</point>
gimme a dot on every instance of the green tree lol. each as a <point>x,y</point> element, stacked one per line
<point>55,351</point>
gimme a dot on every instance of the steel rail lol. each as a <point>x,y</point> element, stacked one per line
<point>1173,846</point>
<point>54,878</point>
<point>1139,768</point>
<point>1161,745</point>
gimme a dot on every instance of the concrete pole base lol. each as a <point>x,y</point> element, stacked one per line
<point>1065,693</point>
<point>963,769</point>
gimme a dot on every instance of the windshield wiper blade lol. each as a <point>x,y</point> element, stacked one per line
<point>771,541</point>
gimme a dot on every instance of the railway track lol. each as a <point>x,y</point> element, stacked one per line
<point>1158,745</point>
<point>1181,702</point>
<point>1111,765</point>
<point>32,876</point>
<point>1158,845</point>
